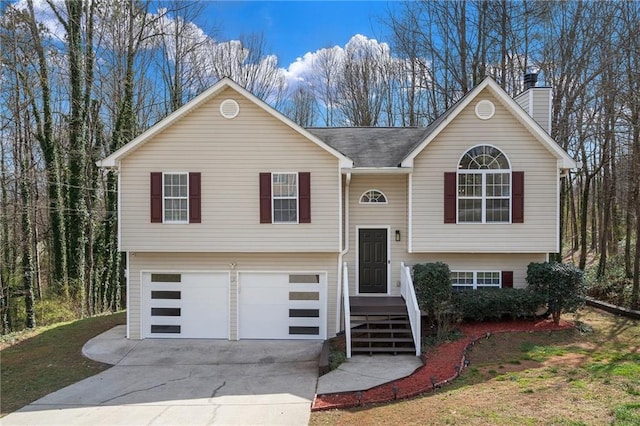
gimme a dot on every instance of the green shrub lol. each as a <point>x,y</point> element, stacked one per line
<point>432,282</point>
<point>497,303</point>
<point>561,284</point>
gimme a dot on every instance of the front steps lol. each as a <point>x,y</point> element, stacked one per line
<point>380,325</point>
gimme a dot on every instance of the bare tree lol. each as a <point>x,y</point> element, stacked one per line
<point>246,63</point>
<point>363,83</point>
<point>302,107</point>
<point>324,80</point>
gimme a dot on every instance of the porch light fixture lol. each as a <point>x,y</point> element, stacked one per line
<point>397,235</point>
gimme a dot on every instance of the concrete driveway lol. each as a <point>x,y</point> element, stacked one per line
<point>185,382</point>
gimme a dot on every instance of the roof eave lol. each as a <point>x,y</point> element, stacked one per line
<point>378,170</point>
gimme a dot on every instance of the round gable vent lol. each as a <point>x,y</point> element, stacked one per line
<point>229,108</point>
<point>485,109</point>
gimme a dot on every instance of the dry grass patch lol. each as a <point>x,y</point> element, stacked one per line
<point>49,358</point>
<point>562,378</point>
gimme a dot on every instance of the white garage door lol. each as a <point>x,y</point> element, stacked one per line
<point>186,305</point>
<point>282,305</point>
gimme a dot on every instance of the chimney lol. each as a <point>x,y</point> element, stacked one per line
<point>530,80</point>
<point>536,101</point>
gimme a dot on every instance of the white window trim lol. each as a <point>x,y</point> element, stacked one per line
<point>483,197</point>
<point>175,222</point>
<point>475,279</point>
<point>386,199</point>
<point>484,173</point>
<point>297,198</point>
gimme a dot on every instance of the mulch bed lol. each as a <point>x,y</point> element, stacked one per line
<point>442,364</point>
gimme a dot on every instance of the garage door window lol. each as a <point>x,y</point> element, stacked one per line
<point>166,278</point>
<point>304,313</point>
<point>304,279</point>
<point>313,331</point>
<point>161,294</point>
<point>165,312</point>
<point>170,329</point>
<point>304,295</point>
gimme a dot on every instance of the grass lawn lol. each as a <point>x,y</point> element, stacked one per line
<point>47,359</point>
<point>576,377</point>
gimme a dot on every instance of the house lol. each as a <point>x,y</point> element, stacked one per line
<point>239,224</point>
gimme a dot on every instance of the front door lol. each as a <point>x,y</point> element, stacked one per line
<point>372,261</point>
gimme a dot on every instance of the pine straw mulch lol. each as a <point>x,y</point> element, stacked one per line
<point>442,364</point>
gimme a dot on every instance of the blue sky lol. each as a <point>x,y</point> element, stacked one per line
<point>293,28</point>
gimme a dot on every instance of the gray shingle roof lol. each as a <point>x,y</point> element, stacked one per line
<point>372,146</point>
<point>378,146</point>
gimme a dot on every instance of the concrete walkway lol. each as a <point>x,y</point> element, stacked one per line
<point>362,372</point>
<point>204,382</point>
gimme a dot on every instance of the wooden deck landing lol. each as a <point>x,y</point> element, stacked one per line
<point>363,305</point>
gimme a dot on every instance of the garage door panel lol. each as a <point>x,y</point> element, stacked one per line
<point>265,295</point>
<point>185,305</point>
<point>282,305</point>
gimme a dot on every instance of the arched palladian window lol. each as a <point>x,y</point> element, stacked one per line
<point>484,186</point>
<point>373,196</point>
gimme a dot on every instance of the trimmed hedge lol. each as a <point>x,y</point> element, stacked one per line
<point>497,303</point>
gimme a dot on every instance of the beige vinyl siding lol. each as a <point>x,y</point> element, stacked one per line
<point>523,100</point>
<point>542,107</point>
<point>483,262</point>
<point>537,103</point>
<point>244,262</point>
<point>538,232</point>
<point>230,154</point>
<point>393,214</point>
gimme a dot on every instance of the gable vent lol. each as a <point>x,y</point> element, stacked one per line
<point>485,109</point>
<point>229,108</point>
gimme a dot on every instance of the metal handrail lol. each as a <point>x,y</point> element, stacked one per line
<point>409,294</point>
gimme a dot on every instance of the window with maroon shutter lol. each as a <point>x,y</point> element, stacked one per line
<point>507,279</point>
<point>194,198</point>
<point>156,197</point>
<point>450,193</point>
<point>517,197</point>
<point>285,197</point>
<point>175,197</point>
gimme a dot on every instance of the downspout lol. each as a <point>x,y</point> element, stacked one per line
<point>344,251</point>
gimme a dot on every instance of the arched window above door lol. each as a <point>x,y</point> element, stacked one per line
<point>373,196</point>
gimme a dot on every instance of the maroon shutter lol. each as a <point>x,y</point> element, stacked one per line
<point>156,197</point>
<point>194,198</point>
<point>507,279</point>
<point>517,197</point>
<point>450,193</point>
<point>304,197</point>
<point>265,197</point>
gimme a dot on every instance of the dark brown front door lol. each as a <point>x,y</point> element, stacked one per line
<point>372,273</point>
